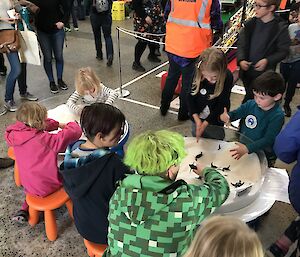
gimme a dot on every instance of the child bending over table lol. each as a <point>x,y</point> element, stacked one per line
<point>90,89</point>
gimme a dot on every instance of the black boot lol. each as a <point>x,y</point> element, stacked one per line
<point>287,110</point>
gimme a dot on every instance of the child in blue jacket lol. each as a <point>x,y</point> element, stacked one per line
<point>262,118</point>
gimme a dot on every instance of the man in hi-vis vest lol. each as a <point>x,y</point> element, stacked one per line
<point>189,32</point>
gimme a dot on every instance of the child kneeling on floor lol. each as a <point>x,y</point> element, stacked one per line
<point>90,89</point>
<point>261,118</point>
<point>90,170</point>
<point>225,236</point>
<point>36,150</point>
<point>151,214</point>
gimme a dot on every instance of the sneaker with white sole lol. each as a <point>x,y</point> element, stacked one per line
<point>29,97</point>
<point>62,85</point>
<point>11,105</point>
<point>53,88</point>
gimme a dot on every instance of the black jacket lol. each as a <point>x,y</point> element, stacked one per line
<point>276,50</point>
<point>90,187</point>
<point>196,103</point>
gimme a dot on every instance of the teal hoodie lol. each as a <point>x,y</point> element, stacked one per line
<point>151,216</point>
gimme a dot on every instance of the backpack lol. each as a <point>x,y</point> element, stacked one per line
<point>101,5</point>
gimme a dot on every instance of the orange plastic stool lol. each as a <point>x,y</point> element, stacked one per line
<point>94,250</point>
<point>48,204</point>
<point>11,154</point>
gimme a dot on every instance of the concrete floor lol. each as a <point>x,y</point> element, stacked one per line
<point>16,240</point>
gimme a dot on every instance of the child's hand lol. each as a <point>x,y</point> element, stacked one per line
<point>200,168</point>
<point>61,125</point>
<point>261,65</point>
<point>201,129</point>
<point>245,65</point>
<point>225,117</point>
<point>239,151</point>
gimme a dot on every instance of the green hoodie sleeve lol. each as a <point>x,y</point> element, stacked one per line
<point>211,194</point>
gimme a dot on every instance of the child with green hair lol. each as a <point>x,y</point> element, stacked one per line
<point>150,213</point>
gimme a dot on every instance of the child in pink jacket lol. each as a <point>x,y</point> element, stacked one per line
<point>36,150</point>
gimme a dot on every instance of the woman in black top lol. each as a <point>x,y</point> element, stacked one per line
<point>50,31</point>
<point>210,91</point>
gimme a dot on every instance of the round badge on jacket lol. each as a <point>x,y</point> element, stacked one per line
<point>203,91</point>
<point>251,121</point>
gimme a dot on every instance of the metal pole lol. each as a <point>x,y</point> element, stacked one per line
<point>121,92</point>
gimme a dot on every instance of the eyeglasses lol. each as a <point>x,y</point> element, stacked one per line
<point>256,5</point>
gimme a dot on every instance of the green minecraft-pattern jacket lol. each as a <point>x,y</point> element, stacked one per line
<point>151,216</point>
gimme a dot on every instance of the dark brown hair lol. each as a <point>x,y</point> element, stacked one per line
<point>101,118</point>
<point>269,83</point>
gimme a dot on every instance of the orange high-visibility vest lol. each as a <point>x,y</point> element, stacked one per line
<point>188,27</point>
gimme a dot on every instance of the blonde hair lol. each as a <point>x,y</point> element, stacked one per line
<point>86,79</point>
<point>32,114</point>
<point>214,60</point>
<point>224,236</point>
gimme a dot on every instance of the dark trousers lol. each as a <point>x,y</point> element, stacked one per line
<point>52,43</point>
<point>2,62</point>
<point>140,47</point>
<point>102,21</point>
<point>73,13</point>
<point>174,73</point>
<point>291,75</point>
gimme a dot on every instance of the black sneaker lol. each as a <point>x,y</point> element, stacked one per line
<point>53,88</point>
<point>3,71</point>
<point>153,58</point>
<point>287,110</point>
<point>99,57</point>
<point>6,162</point>
<point>275,251</point>
<point>109,61</point>
<point>62,85</point>
<point>157,52</point>
<point>138,67</point>
<point>164,109</point>
<point>182,116</point>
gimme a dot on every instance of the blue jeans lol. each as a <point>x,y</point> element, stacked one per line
<point>290,73</point>
<point>103,21</point>
<point>174,73</point>
<point>17,72</point>
<point>52,43</point>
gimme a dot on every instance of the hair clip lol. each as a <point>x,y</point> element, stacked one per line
<point>199,63</point>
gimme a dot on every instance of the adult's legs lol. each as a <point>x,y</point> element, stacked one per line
<point>96,26</point>
<point>71,5</point>
<point>248,87</point>
<point>46,47</point>
<point>139,50</point>
<point>15,71</point>
<point>152,57</point>
<point>292,82</point>
<point>22,79</point>
<point>57,44</point>
<point>74,11</point>
<point>106,28</point>
<point>187,80</point>
<point>2,66</point>
<point>174,73</point>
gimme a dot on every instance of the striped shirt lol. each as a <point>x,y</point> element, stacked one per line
<point>105,95</point>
